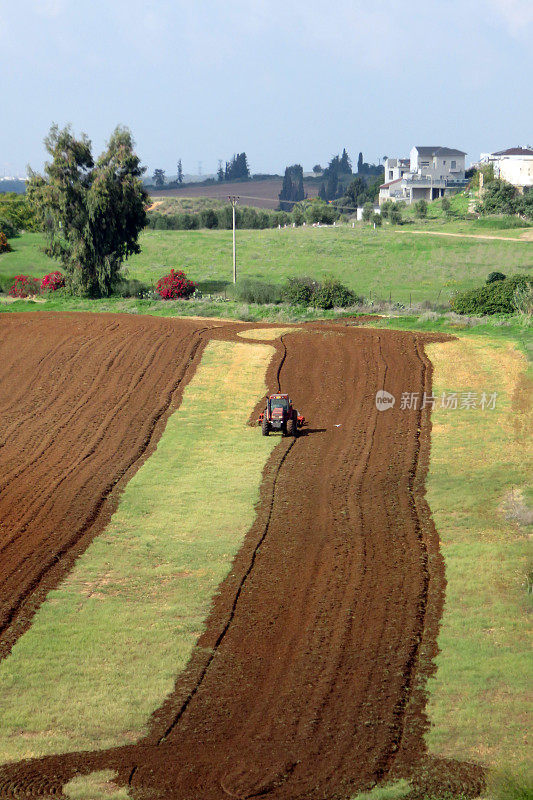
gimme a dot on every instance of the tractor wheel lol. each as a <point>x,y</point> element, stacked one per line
<point>292,427</point>
<point>265,426</point>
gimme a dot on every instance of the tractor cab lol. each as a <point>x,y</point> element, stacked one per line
<point>279,414</point>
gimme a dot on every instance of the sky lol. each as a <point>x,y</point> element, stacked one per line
<point>287,81</point>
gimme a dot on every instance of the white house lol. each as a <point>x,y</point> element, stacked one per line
<point>514,165</point>
<point>428,173</point>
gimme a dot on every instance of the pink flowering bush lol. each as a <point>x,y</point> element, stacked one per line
<point>25,286</point>
<point>174,286</point>
<point>52,282</point>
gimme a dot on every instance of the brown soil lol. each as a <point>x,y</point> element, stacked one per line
<point>309,680</point>
<point>259,194</point>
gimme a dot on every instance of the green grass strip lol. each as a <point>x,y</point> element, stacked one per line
<point>478,702</point>
<point>95,786</point>
<point>106,646</point>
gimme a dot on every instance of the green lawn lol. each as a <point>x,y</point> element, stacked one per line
<point>382,263</point>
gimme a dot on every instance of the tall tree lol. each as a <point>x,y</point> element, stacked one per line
<point>292,190</point>
<point>360,164</point>
<point>180,172</point>
<point>345,164</point>
<point>159,178</point>
<point>220,171</point>
<point>91,213</point>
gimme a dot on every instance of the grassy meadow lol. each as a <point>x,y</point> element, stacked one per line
<point>106,646</point>
<point>476,490</point>
<point>389,262</point>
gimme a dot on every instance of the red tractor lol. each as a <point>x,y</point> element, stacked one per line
<point>280,415</point>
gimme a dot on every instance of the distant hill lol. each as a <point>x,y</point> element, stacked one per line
<point>12,185</point>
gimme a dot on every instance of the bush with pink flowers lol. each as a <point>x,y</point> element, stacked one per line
<point>25,286</point>
<point>53,281</point>
<point>175,286</point>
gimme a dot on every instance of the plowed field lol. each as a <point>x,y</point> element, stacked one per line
<point>309,679</point>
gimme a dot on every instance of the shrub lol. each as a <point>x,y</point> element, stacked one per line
<point>8,227</point>
<point>377,220</point>
<point>495,276</point>
<point>52,282</point>
<point>446,205</point>
<point>333,294</point>
<point>208,218</point>
<point>251,291</point>
<point>523,301</point>
<point>175,285</point>
<point>421,208</point>
<point>131,287</point>
<point>395,215</point>
<point>5,247</point>
<point>299,291</point>
<point>368,210</point>
<point>493,298</point>
<point>386,208</point>
<point>25,286</point>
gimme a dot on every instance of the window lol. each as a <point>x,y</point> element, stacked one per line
<point>391,174</point>
<point>453,165</point>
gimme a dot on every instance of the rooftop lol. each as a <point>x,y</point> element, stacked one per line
<point>437,150</point>
<point>515,151</point>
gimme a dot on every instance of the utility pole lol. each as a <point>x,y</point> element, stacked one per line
<point>234,200</point>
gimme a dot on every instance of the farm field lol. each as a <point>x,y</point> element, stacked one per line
<point>313,656</point>
<point>388,262</point>
<point>260,194</point>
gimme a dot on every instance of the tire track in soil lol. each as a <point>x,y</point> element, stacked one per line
<point>309,679</point>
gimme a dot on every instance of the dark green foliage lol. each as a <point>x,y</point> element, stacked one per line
<point>16,214</point>
<point>292,189</point>
<point>495,276</point>
<point>299,291</point>
<point>446,205</point>
<point>180,172</point>
<point>318,211</point>
<point>208,218</point>
<point>377,220</point>
<point>395,214</point>
<point>386,208</point>
<point>322,192</point>
<point>251,291</point>
<point>92,213</point>
<point>333,294</point>
<point>308,292</point>
<point>368,210</point>
<point>345,164</point>
<point>500,197</point>
<point>8,228</point>
<point>131,287</point>
<point>237,169</point>
<point>492,298</point>
<point>360,164</point>
<point>159,178</point>
<point>421,208</point>
<point>356,193</point>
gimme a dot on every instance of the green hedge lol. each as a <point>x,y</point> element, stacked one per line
<point>493,298</point>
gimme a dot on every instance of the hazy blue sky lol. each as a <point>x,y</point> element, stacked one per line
<point>287,81</point>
